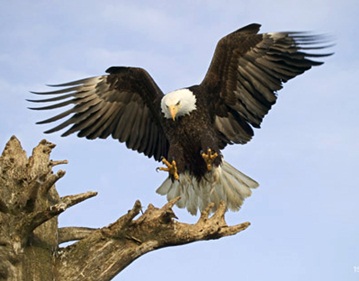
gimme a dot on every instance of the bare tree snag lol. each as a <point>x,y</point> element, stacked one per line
<point>30,236</point>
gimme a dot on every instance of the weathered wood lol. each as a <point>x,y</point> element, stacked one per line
<point>30,237</point>
<point>27,253</point>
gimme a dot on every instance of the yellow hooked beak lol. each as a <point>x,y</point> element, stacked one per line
<point>173,111</point>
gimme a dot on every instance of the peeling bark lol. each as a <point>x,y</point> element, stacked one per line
<point>30,236</point>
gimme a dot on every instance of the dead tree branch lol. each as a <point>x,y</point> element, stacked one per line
<point>30,236</point>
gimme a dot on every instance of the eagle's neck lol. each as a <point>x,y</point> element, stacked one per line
<point>178,103</point>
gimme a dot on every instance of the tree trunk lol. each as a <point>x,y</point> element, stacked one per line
<point>30,236</point>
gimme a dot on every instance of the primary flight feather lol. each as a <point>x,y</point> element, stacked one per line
<point>186,129</point>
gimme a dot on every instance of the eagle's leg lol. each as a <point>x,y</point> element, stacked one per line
<point>209,158</point>
<point>171,168</point>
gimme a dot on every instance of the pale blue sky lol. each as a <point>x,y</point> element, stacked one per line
<point>304,215</point>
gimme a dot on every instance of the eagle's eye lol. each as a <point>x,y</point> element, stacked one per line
<point>178,103</point>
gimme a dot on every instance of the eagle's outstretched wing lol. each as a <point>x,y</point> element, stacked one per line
<point>124,104</point>
<point>247,70</point>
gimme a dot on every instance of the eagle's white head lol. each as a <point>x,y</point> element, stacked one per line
<point>178,103</point>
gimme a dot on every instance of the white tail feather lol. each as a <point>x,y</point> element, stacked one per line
<point>223,183</point>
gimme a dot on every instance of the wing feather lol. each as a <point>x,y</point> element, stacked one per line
<point>141,128</point>
<point>107,112</point>
<point>98,117</point>
<point>246,72</point>
<point>124,104</point>
<point>134,129</point>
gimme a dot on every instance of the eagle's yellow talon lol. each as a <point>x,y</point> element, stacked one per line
<point>209,158</point>
<point>171,168</point>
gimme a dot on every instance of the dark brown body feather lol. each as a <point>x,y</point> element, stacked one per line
<point>192,134</point>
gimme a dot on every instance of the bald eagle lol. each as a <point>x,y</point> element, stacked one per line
<point>186,129</point>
